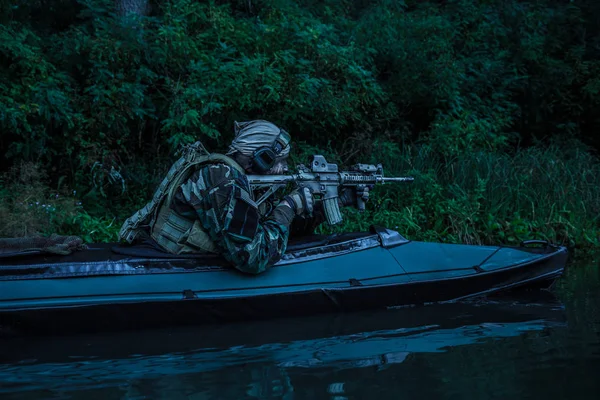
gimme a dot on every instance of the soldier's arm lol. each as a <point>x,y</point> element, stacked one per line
<point>231,218</point>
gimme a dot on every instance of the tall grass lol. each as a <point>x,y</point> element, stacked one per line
<point>547,192</point>
<point>550,192</point>
<point>30,206</point>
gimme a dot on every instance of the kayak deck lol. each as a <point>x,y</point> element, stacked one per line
<point>139,286</point>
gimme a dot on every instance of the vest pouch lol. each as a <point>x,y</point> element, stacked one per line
<point>196,240</point>
<point>171,230</point>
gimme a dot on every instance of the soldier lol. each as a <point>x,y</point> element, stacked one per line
<point>205,204</point>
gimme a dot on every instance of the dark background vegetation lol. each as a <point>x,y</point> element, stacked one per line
<point>492,105</point>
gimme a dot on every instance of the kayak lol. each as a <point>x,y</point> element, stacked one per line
<point>112,286</point>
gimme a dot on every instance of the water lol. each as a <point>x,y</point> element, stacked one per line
<point>536,346</point>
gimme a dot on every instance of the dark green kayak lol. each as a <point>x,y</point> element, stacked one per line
<point>113,287</point>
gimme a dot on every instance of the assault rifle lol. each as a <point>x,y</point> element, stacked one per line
<point>325,181</point>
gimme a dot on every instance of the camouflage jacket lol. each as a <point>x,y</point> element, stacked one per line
<point>220,198</point>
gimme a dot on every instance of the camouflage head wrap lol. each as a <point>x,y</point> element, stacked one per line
<point>252,135</point>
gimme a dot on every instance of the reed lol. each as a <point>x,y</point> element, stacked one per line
<point>550,192</point>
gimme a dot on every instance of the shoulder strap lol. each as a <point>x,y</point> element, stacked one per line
<point>185,171</point>
<point>193,155</point>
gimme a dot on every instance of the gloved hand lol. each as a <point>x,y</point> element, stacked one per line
<point>302,201</point>
<point>348,197</point>
<point>351,194</point>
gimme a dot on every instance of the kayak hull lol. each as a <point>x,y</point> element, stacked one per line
<point>100,291</point>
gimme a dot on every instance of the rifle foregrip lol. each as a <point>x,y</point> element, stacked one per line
<point>332,211</point>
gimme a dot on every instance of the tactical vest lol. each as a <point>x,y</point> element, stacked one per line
<point>157,220</point>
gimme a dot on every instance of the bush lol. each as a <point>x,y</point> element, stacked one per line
<point>453,92</point>
<point>548,193</point>
<point>28,207</point>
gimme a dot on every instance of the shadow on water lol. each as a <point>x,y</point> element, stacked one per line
<point>528,345</point>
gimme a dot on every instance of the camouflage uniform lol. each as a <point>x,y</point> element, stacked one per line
<point>219,197</point>
<point>205,204</point>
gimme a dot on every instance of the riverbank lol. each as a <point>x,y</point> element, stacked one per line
<point>542,192</point>
<point>94,107</point>
<point>548,193</point>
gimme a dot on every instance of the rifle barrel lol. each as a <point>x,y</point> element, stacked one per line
<point>398,179</point>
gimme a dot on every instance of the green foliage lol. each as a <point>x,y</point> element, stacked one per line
<point>445,91</point>
<point>548,193</point>
<point>461,75</point>
<point>28,206</point>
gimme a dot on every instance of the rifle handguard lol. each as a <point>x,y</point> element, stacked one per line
<point>332,211</point>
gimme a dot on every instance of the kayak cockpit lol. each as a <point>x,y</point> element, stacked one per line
<point>116,259</point>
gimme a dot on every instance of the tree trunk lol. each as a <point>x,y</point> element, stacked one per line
<point>138,7</point>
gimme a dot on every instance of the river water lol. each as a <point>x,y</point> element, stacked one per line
<point>528,345</point>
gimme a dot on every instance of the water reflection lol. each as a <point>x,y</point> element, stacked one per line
<point>530,347</point>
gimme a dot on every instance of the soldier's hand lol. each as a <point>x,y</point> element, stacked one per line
<point>362,192</point>
<point>350,195</point>
<point>302,201</point>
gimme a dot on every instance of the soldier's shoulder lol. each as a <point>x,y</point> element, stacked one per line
<point>221,167</point>
<point>218,171</point>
